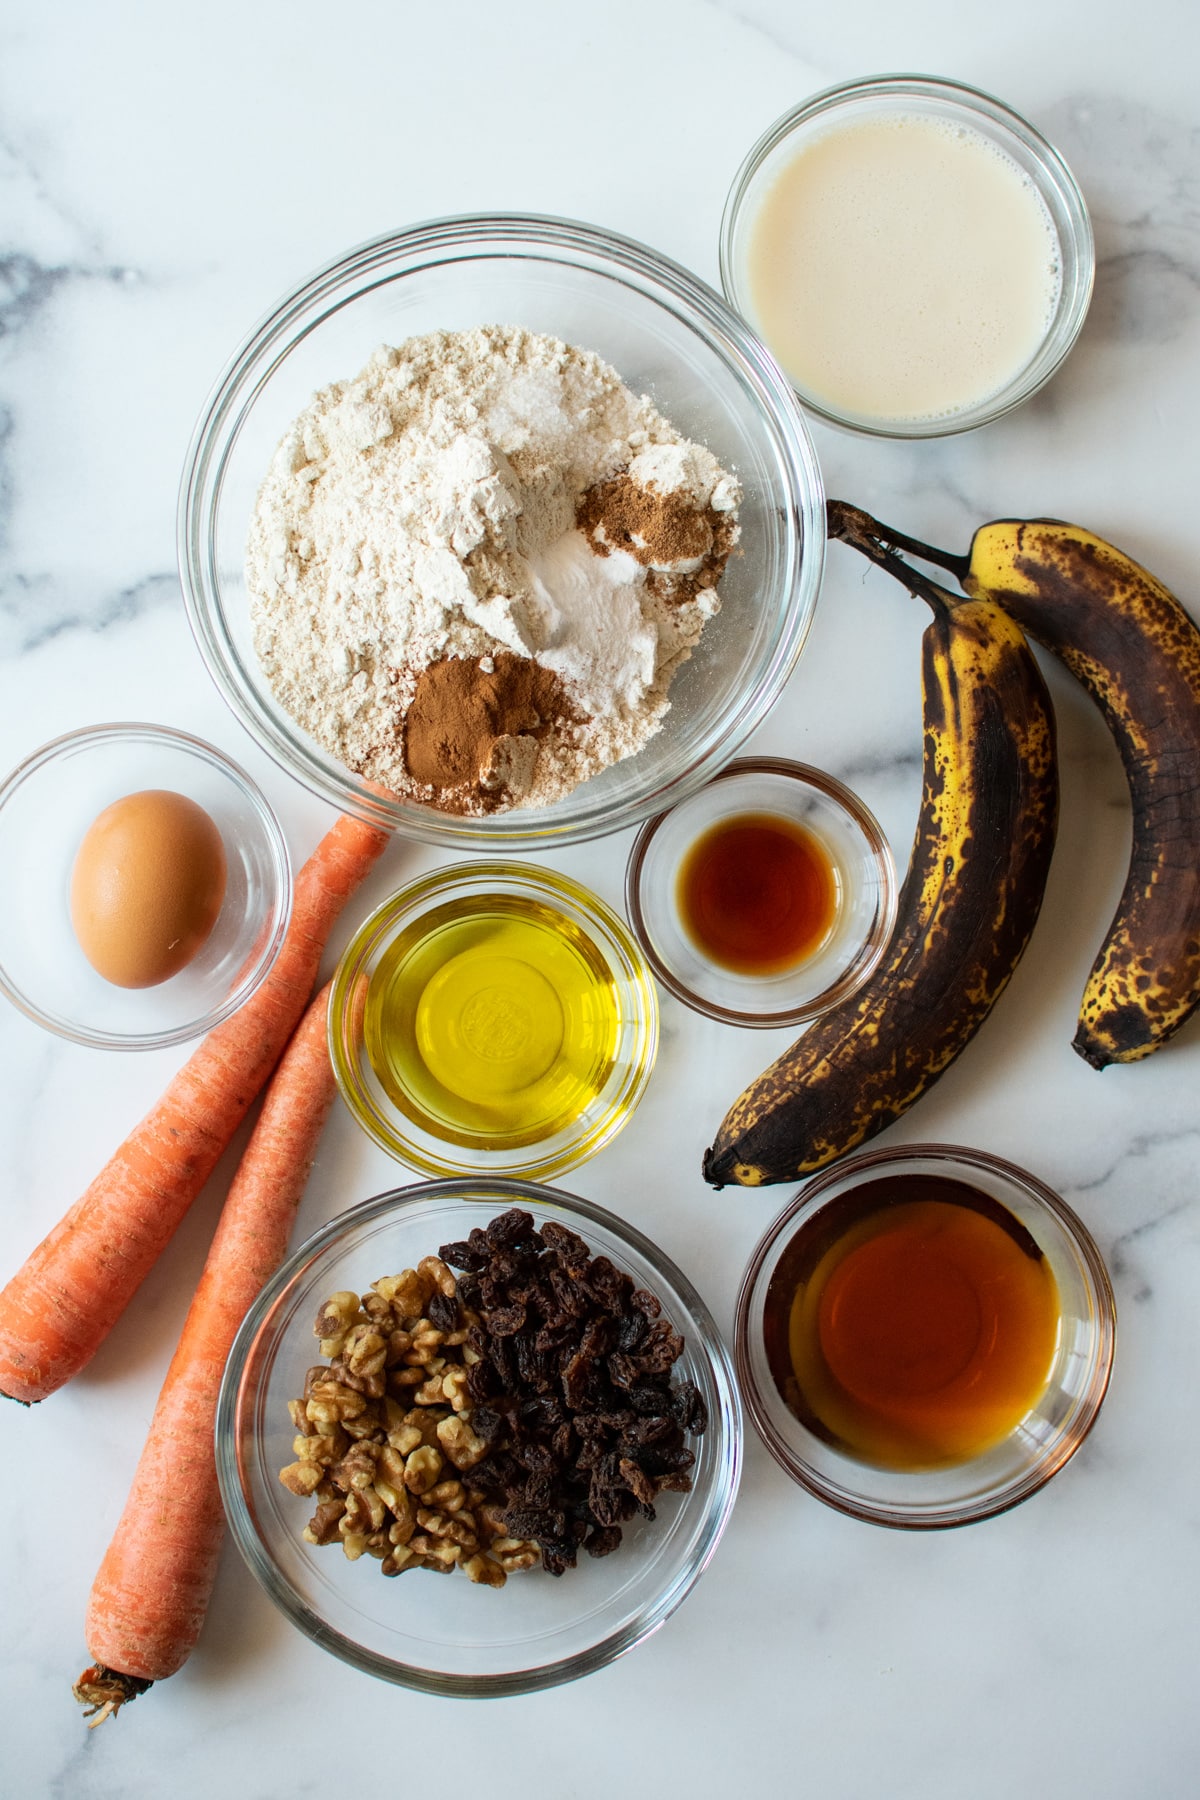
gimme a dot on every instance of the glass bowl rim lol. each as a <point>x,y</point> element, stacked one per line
<point>933,1517</point>
<point>134,731</point>
<point>512,876</point>
<point>727,1475</point>
<point>1053,172</point>
<point>563,240</point>
<point>809,776</point>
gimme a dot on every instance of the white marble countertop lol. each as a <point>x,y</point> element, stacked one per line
<point>165,174</point>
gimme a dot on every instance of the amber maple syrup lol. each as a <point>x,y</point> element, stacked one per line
<point>913,1322</point>
<point>758,893</point>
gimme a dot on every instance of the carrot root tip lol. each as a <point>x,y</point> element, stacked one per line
<point>102,1691</point>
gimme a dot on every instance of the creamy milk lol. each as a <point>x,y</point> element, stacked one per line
<point>902,268</point>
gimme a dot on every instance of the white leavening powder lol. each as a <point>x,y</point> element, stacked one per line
<point>478,492</point>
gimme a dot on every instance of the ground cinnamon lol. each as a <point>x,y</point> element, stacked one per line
<point>462,709</point>
<point>684,546</point>
<point>658,529</point>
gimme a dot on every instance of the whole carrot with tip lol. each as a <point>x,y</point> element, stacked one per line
<point>149,1599</point>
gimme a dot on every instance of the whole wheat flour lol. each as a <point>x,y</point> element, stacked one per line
<point>496,499</point>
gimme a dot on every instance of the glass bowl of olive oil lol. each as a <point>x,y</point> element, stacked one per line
<point>925,1336</point>
<point>493,1016</point>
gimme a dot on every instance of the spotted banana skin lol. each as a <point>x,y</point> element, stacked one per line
<point>1137,652</point>
<point>969,902</point>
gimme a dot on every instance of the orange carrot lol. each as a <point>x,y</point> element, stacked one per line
<point>149,1599</point>
<point>59,1307</point>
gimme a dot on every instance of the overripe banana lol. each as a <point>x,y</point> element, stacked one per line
<point>968,904</point>
<point>1137,652</point>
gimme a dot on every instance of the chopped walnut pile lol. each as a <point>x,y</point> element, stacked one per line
<point>521,1411</point>
<point>384,1434</point>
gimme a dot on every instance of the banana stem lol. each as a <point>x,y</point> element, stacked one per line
<point>857,528</point>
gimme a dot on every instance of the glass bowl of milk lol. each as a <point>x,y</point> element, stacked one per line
<point>916,256</point>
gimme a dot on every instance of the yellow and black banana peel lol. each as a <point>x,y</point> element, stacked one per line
<point>1137,652</point>
<point>966,910</point>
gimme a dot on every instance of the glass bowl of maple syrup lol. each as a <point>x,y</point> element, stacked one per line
<point>924,1336</point>
<point>765,899</point>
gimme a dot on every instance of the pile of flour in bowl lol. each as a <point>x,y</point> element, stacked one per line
<point>474,568</point>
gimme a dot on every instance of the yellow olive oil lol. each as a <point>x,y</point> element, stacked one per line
<point>492,1024</point>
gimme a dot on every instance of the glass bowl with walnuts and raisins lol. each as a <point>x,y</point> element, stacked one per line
<point>501,1392</point>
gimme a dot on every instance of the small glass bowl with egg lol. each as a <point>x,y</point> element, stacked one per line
<point>766,898</point>
<point>493,1016</point>
<point>914,253</point>
<point>154,892</point>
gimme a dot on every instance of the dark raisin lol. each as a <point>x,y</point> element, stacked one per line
<point>617,1417</point>
<point>505,1321</point>
<point>607,1284</point>
<point>604,1539</point>
<point>661,1431</point>
<point>463,1256</point>
<point>512,1227</point>
<point>610,1505</point>
<point>484,1422</point>
<point>539,1459</point>
<point>442,1311</point>
<point>468,1290</point>
<point>536,1369</point>
<point>624,1370</point>
<point>563,1442</point>
<point>637,1481</point>
<point>631,1329</point>
<point>598,1338</point>
<point>648,1397</point>
<point>482,1382</point>
<point>568,1244</point>
<point>540,1491</point>
<point>572,1303</point>
<point>687,1404</point>
<point>670,1461</point>
<point>660,1349</point>
<point>577,1383</point>
<point>533,1522</point>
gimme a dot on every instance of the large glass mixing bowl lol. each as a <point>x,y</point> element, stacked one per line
<point>668,336</point>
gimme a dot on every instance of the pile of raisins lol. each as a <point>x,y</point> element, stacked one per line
<point>573,1390</point>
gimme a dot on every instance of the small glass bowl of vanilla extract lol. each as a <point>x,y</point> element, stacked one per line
<point>924,1336</point>
<point>492,1016</point>
<point>766,898</point>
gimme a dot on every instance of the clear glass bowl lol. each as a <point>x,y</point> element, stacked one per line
<point>668,335</point>
<point>445,1635</point>
<point>496,891</point>
<point>944,101</point>
<point>1046,1438</point>
<point>46,807</point>
<point>864,876</point>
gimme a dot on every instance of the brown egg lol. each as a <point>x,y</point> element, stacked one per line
<point>147,885</point>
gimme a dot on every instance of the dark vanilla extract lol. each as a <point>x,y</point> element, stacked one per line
<point>757,893</point>
<point>912,1323</point>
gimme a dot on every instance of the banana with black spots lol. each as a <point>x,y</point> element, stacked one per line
<point>966,910</point>
<point>1136,650</point>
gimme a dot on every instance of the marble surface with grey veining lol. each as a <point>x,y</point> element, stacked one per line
<point>166,174</point>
